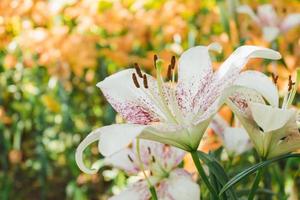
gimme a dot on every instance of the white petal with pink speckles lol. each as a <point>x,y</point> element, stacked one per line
<point>261,83</point>
<point>179,186</point>
<point>194,73</point>
<point>134,104</point>
<point>137,191</point>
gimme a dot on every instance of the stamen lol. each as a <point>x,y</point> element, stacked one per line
<point>149,150</point>
<point>261,129</point>
<point>155,60</point>
<point>275,78</point>
<point>145,81</point>
<point>170,72</point>
<point>135,81</point>
<point>173,61</point>
<point>129,157</point>
<point>291,83</point>
<point>138,70</point>
<point>153,159</point>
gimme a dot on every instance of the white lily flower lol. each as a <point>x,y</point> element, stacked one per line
<point>267,18</point>
<point>272,129</point>
<point>161,161</point>
<point>172,113</point>
<point>235,139</point>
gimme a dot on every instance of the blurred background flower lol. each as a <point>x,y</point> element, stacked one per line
<point>52,54</point>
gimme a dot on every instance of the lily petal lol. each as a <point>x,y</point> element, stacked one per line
<point>92,137</point>
<point>289,144</point>
<point>167,157</point>
<point>117,136</point>
<point>137,191</point>
<point>239,104</point>
<point>236,61</point>
<point>218,125</point>
<point>179,186</point>
<point>270,118</point>
<point>131,102</point>
<point>194,72</point>
<point>270,33</point>
<point>267,15</point>
<point>125,160</point>
<point>236,140</point>
<point>245,9</point>
<point>261,83</point>
<point>290,21</point>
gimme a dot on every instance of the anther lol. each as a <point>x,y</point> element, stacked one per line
<point>145,81</point>
<point>138,70</point>
<point>291,83</point>
<point>173,61</point>
<point>129,157</point>
<point>170,72</point>
<point>261,129</point>
<point>149,150</point>
<point>155,59</point>
<point>153,159</point>
<point>135,81</point>
<point>275,78</point>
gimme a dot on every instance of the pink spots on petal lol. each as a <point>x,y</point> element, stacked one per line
<point>242,98</point>
<point>139,112</point>
<point>188,91</point>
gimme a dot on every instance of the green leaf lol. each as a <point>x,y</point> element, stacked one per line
<point>217,170</point>
<point>253,169</point>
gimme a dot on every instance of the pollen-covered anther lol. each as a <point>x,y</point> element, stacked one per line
<point>173,62</point>
<point>291,83</point>
<point>145,81</point>
<point>169,72</point>
<point>129,157</point>
<point>138,70</point>
<point>135,81</point>
<point>155,60</point>
<point>275,78</point>
<point>153,159</point>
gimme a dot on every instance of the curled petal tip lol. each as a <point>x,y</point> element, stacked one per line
<point>81,165</point>
<point>92,137</point>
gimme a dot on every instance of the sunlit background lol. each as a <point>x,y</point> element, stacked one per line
<point>52,54</point>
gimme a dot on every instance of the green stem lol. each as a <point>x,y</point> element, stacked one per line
<point>255,184</point>
<point>153,193</point>
<point>203,175</point>
<point>151,187</point>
